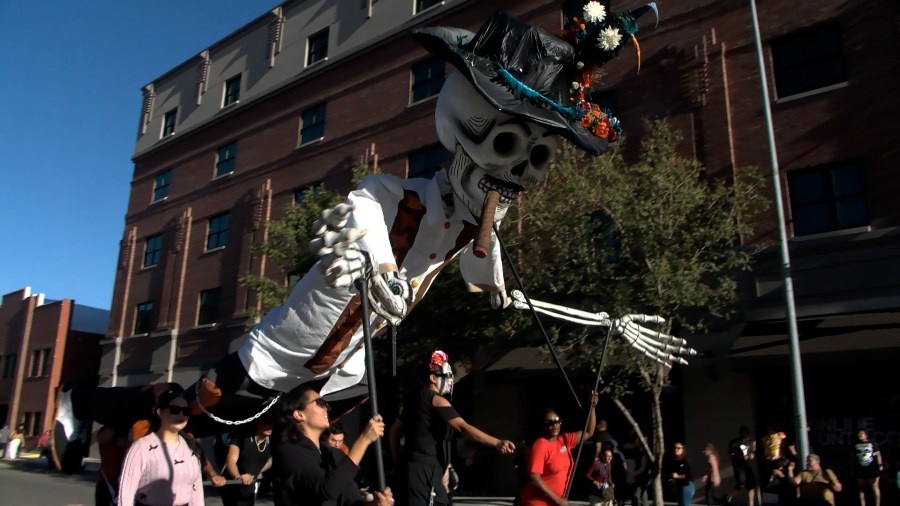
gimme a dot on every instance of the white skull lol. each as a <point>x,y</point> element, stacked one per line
<point>503,153</point>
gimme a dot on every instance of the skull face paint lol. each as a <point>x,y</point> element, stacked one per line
<point>493,150</point>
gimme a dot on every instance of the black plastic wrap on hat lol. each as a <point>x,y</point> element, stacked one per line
<point>537,59</point>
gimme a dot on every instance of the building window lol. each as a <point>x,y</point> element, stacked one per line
<point>225,159</point>
<point>301,193</point>
<point>9,366</point>
<point>827,198</point>
<point>161,185</point>
<point>168,127</point>
<point>312,124</point>
<point>217,235</point>
<point>143,318</point>
<point>427,79</point>
<point>40,363</point>
<point>808,60</point>
<point>209,307</point>
<point>317,47</point>
<point>35,424</point>
<point>232,91</point>
<point>421,5</point>
<point>426,162</point>
<point>152,249</point>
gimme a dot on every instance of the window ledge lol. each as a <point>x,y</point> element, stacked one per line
<point>312,142</point>
<point>424,100</point>
<point>226,106</point>
<point>222,176</point>
<point>810,93</point>
<point>220,248</point>
<point>208,326</point>
<point>147,267</point>
<point>832,233</point>
<point>164,137</point>
<point>320,60</point>
<point>429,8</point>
<point>157,201</point>
<point>142,334</point>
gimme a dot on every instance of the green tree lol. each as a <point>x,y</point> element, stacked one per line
<point>656,236</point>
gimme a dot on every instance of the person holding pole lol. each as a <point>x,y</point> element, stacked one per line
<point>310,474</point>
<point>427,422</point>
<point>550,460</point>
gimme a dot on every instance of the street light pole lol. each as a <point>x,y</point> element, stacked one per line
<point>800,422</point>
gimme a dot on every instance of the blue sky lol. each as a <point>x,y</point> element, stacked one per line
<point>70,94</point>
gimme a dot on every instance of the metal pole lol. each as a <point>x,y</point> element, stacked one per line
<point>534,315</point>
<point>800,422</point>
<point>587,420</point>
<point>370,373</point>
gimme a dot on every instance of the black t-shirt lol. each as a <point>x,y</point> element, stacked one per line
<point>253,456</point>
<point>427,435</point>
<point>738,448</point>
<point>304,476</point>
<point>679,467</point>
<point>864,454</point>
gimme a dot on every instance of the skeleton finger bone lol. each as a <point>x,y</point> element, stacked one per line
<point>333,219</point>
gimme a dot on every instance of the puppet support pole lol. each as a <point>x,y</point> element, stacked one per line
<point>588,419</point>
<point>362,287</point>
<point>534,315</point>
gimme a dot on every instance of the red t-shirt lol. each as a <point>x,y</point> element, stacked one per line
<point>553,461</point>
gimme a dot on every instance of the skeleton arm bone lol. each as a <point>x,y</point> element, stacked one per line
<point>653,344</point>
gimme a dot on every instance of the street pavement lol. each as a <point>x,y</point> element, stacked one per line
<point>26,481</point>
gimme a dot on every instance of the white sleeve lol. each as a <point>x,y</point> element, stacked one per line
<point>483,274</point>
<point>375,205</point>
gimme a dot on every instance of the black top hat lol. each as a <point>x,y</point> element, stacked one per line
<point>528,73</point>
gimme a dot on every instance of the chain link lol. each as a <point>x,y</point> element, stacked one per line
<point>234,422</point>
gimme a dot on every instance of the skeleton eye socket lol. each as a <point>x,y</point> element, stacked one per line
<point>505,143</point>
<point>539,155</point>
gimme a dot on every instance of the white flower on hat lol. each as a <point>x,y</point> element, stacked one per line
<point>609,38</point>
<point>594,12</point>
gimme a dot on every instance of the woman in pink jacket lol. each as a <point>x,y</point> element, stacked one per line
<point>163,467</point>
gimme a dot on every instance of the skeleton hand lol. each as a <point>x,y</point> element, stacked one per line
<point>500,300</point>
<point>660,347</point>
<point>341,259</point>
<point>653,344</point>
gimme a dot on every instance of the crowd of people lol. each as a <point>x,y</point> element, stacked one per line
<point>310,460</point>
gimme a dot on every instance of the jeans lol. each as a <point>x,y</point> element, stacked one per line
<point>685,494</point>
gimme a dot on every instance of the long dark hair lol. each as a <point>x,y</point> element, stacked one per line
<point>286,425</point>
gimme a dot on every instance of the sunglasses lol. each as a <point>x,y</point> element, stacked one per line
<point>550,422</point>
<point>178,410</point>
<point>322,403</point>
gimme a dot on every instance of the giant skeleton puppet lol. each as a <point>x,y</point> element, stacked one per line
<point>516,88</point>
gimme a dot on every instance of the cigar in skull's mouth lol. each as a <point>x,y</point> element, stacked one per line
<point>483,239</point>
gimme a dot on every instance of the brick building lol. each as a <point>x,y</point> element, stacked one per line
<point>230,137</point>
<point>43,345</point>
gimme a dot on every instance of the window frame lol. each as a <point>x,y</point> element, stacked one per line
<point>420,6</point>
<point>316,127</point>
<point>216,235</point>
<point>231,93</point>
<point>158,188</point>
<point>314,52</point>
<point>808,75</point>
<point>203,307</point>
<point>10,362</point>
<point>168,124</point>
<point>156,253</point>
<point>429,66</point>
<point>831,199</point>
<point>224,163</point>
<point>143,318</point>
